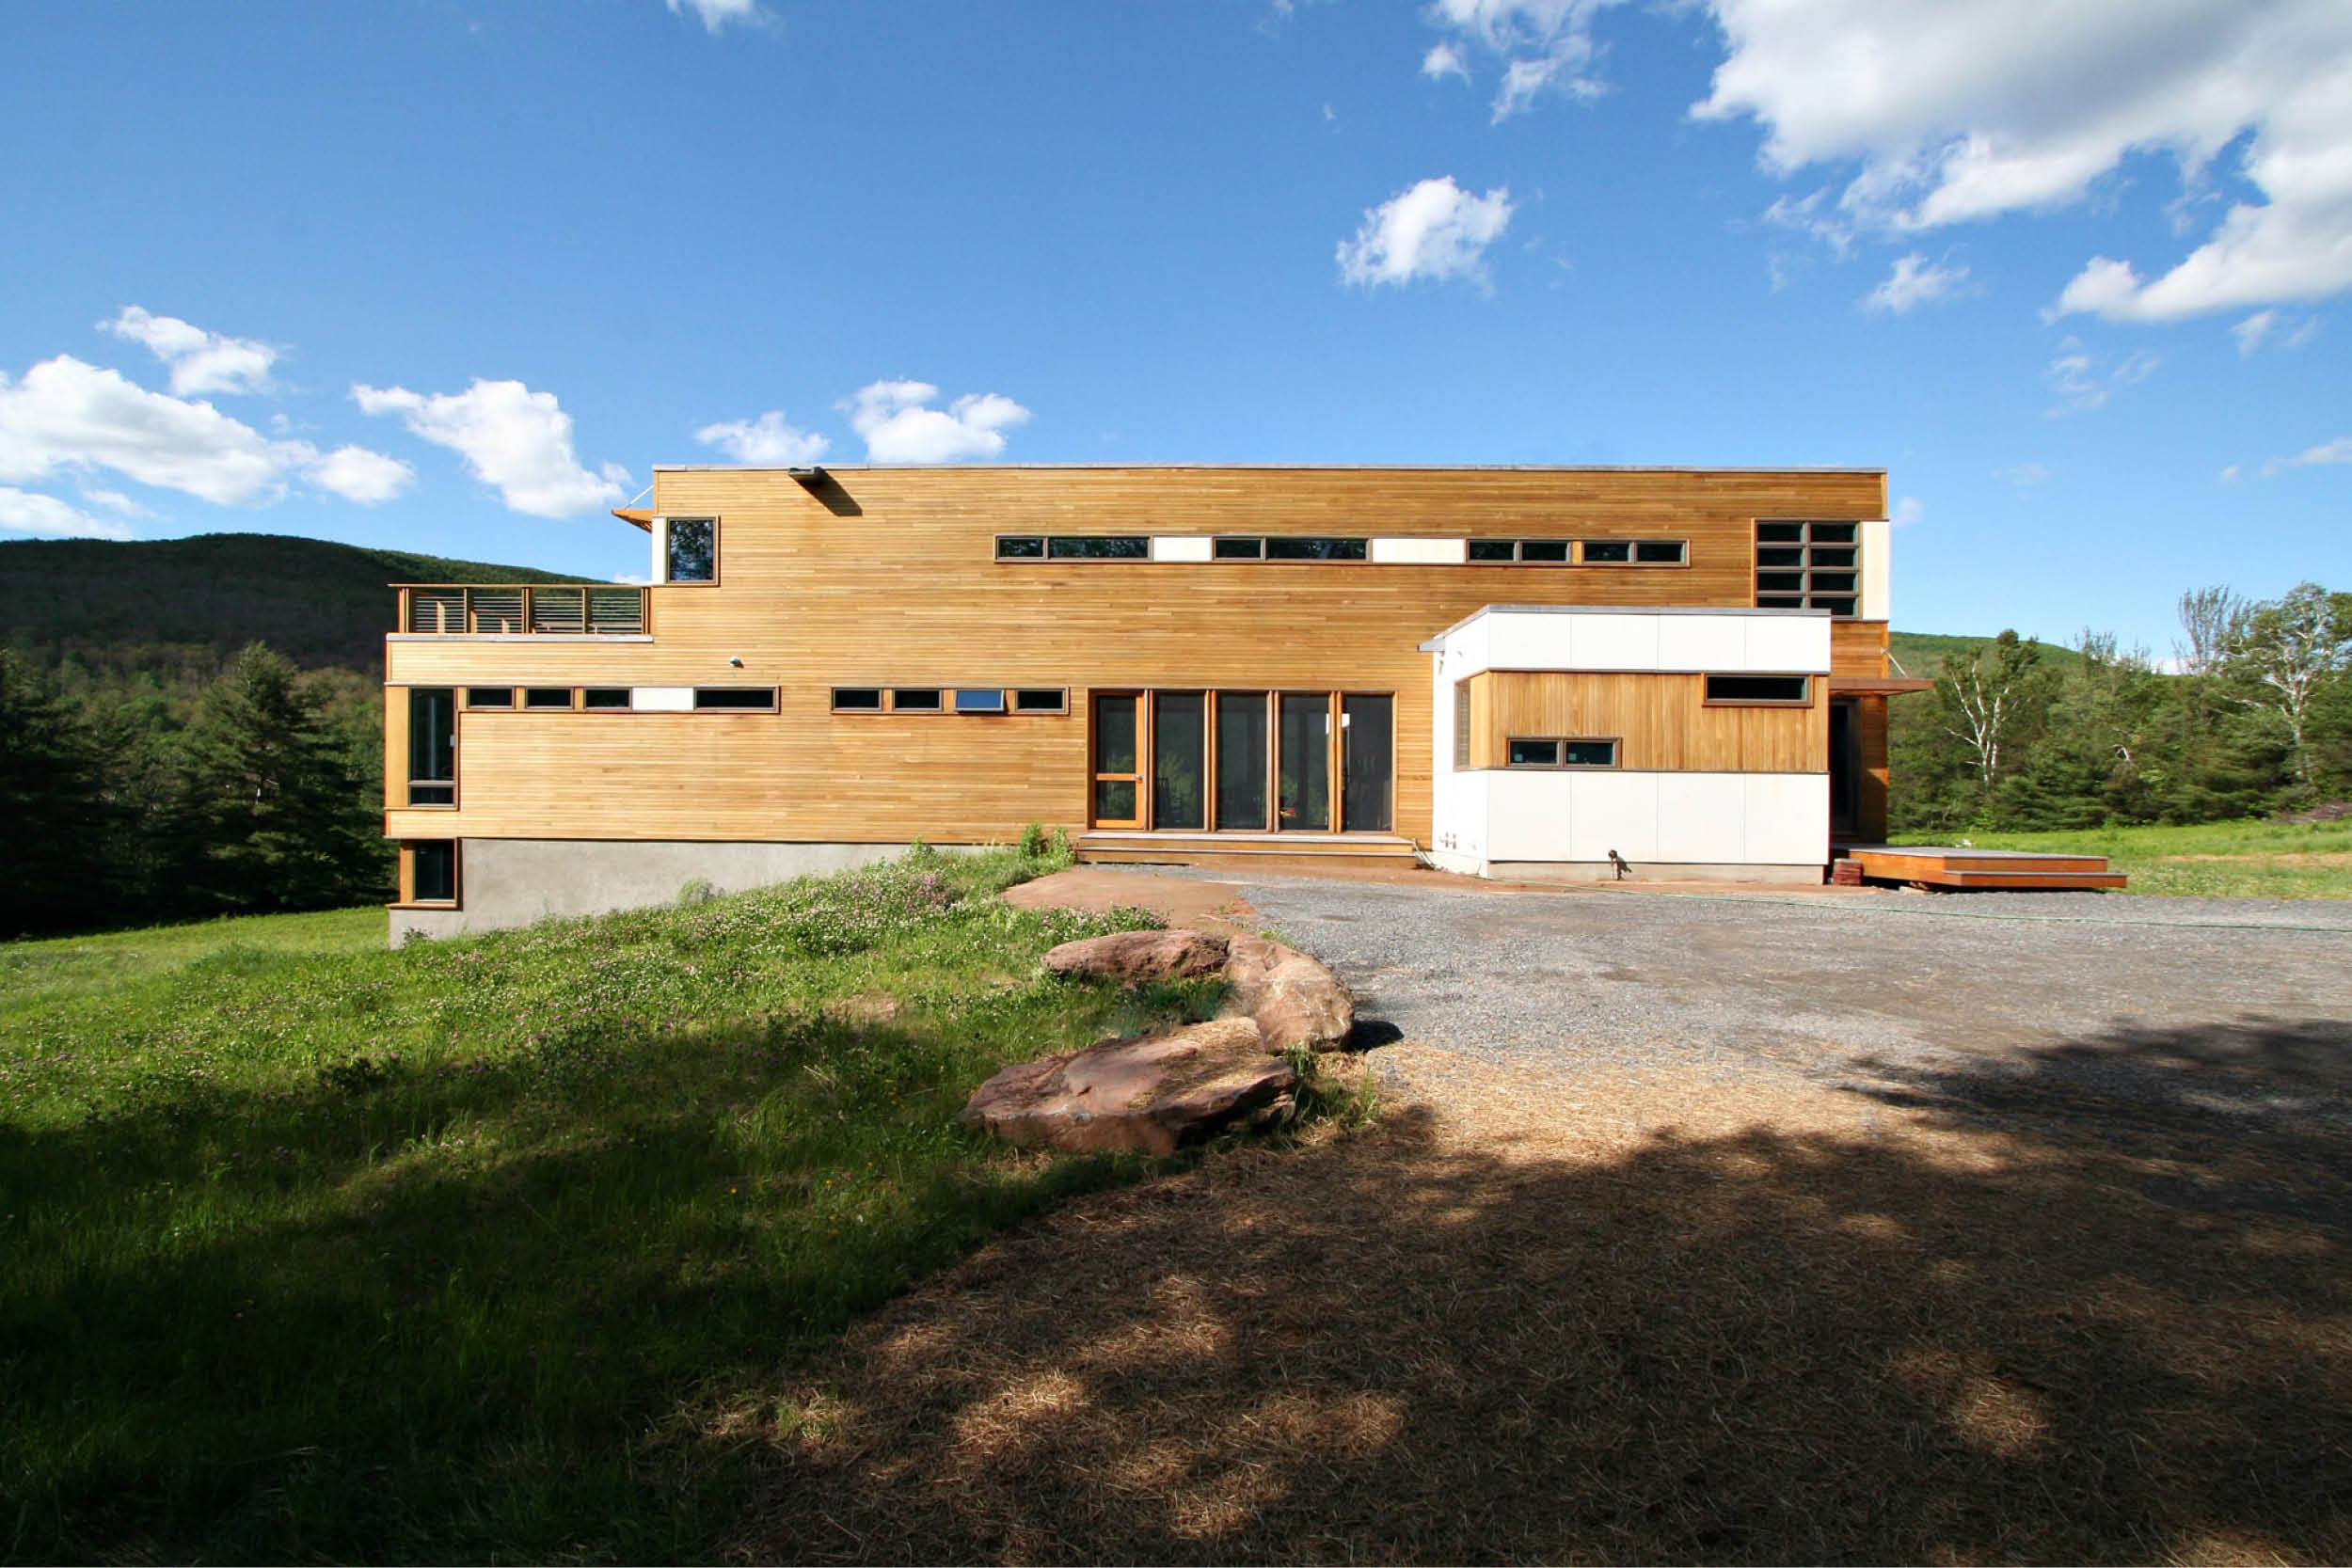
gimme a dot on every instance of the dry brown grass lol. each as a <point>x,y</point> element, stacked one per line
<point>2095,1310</point>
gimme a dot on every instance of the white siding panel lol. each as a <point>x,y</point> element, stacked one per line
<point>1180,547</point>
<point>1420,552</point>
<point>1791,643</point>
<point>1702,818</point>
<point>1787,819</point>
<point>1877,571</point>
<point>661,699</point>
<point>1529,642</point>
<point>1612,811</point>
<point>1697,644</point>
<point>1528,815</point>
<point>1615,641</point>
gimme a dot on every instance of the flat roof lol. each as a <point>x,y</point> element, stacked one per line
<point>1281,467</point>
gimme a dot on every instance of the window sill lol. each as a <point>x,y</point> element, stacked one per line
<point>422,906</point>
<point>517,637</point>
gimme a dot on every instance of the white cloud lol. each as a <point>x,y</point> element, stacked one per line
<point>357,474</point>
<point>1907,511</point>
<point>2250,332</point>
<point>116,502</point>
<point>2025,475</point>
<point>2275,327</point>
<point>201,361</point>
<point>24,512</point>
<point>2229,475</point>
<point>898,426</point>
<point>1444,60</point>
<point>768,440</point>
<point>1957,112</point>
<point>1434,229</point>
<point>2084,380</point>
<point>718,14</point>
<point>512,437</point>
<point>1915,281</point>
<point>2337,451</point>
<point>1542,44</point>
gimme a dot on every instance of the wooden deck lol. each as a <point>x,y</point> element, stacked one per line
<point>2015,870</point>
<point>1255,852</point>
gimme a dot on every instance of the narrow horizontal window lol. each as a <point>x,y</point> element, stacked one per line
<point>1494,549</point>
<point>1833,582</point>
<point>1836,607</point>
<point>1831,533</point>
<point>980,700</point>
<point>548,696</point>
<point>489,696</point>
<point>1239,549</point>
<point>1780,533</point>
<point>735,698</point>
<point>1554,552</point>
<point>857,699</point>
<point>1774,556</point>
<point>1534,754</point>
<point>1608,552</point>
<point>1099,547</point>
<point>1589,754</point>
<point>604,698</point>
<point>1780,582</point>
<point>1760,689</point>
<point>905,699</point>
<point>1303,548</point>
<point>423,793</point>
<point>1660,552</point>
<point>432,871</point>
<point>1019,547</point>
<point>1834,558</point>
<point>1042,699</point>
<point>1778,601</point>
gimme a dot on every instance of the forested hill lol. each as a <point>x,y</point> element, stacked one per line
<point>1921,653</point>
<point>173,602</point>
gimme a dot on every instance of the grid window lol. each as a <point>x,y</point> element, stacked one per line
<point>1808,566</point>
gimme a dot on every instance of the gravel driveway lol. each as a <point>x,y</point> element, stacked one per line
<point>1747,985</point>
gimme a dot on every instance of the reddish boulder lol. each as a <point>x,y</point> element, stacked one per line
<point>1132,957</point>
<point>1293,998</point>
<point>1147,1092</point>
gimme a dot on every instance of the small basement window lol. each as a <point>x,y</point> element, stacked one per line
<point>548,697</point>
<point>1789,689</point>
<point>605,698</point>
<point>1040,699</point>
<point>1019,547</point>
<point>432,871</point>
<point>489,696</point>
<point>1099,547</point>
<point>740,699</point>
<point>857,699</point>
<point>914,699</point>
<point>979,700</point>
<point>691,549</point>
<point>1549,752</point>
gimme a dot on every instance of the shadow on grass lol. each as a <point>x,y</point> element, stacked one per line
<point>482,1312</point>
<point>2091,1307</point>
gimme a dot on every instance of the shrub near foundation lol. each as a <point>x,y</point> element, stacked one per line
<point>312,1249</point>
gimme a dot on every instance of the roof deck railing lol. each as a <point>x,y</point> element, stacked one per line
<point>521,610</point>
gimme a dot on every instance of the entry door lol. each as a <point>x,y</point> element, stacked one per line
<point>1303,763</point>
<point>1117,762</point>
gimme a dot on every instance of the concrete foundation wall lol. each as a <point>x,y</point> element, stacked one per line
<point>1678,871</point>
<point>513,881</point>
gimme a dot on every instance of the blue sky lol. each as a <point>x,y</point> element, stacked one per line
<point>454,275</point>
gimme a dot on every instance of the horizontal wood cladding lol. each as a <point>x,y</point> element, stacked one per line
<point>1857,647</point>
<point>888,577</point>
<point>1661,722</point>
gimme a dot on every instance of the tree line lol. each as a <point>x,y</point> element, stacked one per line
<point>133,800</point>
<point>2253,716</point>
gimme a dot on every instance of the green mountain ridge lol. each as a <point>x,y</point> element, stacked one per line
<point>158,602</point>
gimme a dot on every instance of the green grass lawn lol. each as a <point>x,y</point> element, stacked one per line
<point>2258,859</point>
<point>310,1249</point>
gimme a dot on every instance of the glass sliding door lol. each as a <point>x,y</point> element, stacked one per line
<point>1367,763</point>
<point>1180,756</point>
<point>1305,762</point>
<point>1241,761</point>
<point>1118,774</point>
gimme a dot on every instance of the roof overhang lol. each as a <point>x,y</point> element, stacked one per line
<point>630,514</point>
<point>1877,686</point>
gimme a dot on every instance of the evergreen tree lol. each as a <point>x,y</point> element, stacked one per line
<point>270,815</point>
<point>66,827</point>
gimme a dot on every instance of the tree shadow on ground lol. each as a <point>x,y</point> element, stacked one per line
<point>2089,1305</point>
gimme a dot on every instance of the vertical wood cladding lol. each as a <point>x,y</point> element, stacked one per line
<point>1870,735</point>
<point>1661,722</point>
<point>887,577</point>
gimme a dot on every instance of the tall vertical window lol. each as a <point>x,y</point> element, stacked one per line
<point>1241,761</point>
<point>1367,772</point>
<point>432,746</point>
<point>1180,739</point>
<point>432,871</point>
<point>1304,761</point>
<point>691,549</point>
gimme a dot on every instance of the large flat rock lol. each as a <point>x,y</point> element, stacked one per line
<point>1133,958</point>
<point>1149,1093</point>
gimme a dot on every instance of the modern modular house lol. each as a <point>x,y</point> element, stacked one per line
<point>1548,672</point>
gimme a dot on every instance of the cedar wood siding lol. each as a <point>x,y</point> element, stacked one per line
<point>890,578</point>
